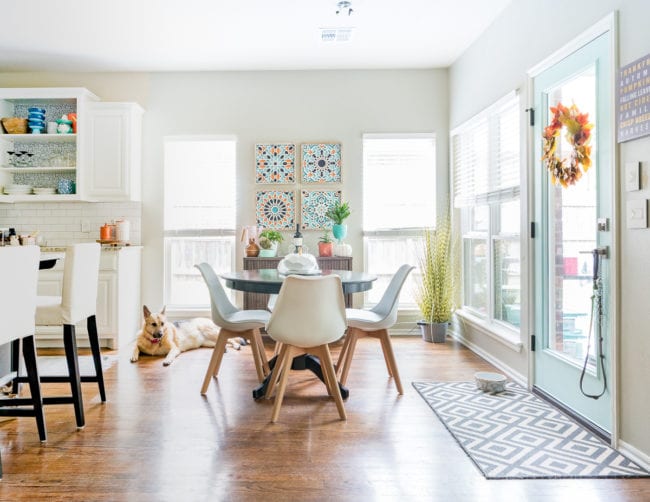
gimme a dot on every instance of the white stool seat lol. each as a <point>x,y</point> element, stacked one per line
<point>49,311</point>
<point>366,319</point>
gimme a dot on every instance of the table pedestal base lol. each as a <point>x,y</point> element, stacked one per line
<point>304,362</point>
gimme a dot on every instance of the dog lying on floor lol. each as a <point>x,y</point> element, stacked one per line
<point>161,338</point>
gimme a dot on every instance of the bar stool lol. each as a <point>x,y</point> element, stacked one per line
<point>78,302</point>
<point>19,272</point>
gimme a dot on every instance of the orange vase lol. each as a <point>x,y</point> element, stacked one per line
<point>252,249</point>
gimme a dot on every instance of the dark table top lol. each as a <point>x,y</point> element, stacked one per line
<point>268,280</point>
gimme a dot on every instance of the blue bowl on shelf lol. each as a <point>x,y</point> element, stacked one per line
<point>36,109</point>
<point>36,117</point>
<point>36,122</point>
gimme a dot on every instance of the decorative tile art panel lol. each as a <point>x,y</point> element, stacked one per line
<point>321,163</point>
<point>275,163</point>
<point>275,209</point>
<point>315,204</point>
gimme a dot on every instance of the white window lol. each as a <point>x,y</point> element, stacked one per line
<point>199,220</point>
<point>486,165</point>
<point>399,186</point>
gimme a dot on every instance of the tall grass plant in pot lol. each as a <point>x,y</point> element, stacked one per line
<point>439,280</point>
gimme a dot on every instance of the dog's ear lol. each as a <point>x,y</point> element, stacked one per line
<point>162,312</point>
<point>146,311</point>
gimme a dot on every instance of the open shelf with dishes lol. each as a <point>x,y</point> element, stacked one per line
<point>35,164</point>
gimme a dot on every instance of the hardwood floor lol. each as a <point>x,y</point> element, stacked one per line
<point>158,439</point>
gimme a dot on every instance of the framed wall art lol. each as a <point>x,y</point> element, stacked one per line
<point>275,209</point>
<point>321,163</point>
<point>275,163</point>
<point>314,205</point>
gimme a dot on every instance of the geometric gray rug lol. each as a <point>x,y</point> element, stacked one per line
<point>515,435</point>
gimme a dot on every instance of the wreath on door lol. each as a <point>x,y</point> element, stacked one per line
<point>578,134</point>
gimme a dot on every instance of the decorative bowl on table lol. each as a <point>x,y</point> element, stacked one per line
<point>303,264</point>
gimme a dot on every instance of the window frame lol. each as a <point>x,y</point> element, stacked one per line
<point>493,198</point>
<point>169,235</point>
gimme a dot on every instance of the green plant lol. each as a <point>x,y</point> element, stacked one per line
<point>325,238</point>
<point>338,212</point>
<point>268,237</point>
<point>436,292</point>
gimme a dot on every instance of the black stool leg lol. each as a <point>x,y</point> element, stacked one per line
<point>15,365</point>
<point>91,323</point>
<point>70,344</point>
<point>29,353</point>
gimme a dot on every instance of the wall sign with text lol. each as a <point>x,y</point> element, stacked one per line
<point>634,100</point>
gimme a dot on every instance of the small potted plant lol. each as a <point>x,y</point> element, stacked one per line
<point>338,213</point>
<point>325,245</point>
<point>268,241</point>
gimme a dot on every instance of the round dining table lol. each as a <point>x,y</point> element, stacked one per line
<point>270,281</point>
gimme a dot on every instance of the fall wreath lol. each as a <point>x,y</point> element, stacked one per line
<point>567,171</point>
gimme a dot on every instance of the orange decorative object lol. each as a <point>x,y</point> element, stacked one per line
<point>252,249</point>
<point>105,232</point>
<point>578,135</point>
<point>73,118</point>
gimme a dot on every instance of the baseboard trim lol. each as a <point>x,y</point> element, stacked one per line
<point>513,374</point>
<point>634,454</point>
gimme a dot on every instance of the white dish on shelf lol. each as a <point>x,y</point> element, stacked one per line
<point>44,190</point>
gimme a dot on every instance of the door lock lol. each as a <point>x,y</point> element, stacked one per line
<point>603,224</point>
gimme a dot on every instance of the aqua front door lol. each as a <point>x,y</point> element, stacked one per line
<point>573,194</point>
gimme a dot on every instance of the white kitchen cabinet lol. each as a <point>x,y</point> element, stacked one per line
<point>51,157</point>
<point>118,313</point>
<point>112,152</point>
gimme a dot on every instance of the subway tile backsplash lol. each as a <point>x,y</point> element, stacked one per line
<point>60,223</point>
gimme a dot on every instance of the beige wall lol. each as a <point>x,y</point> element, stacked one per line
<point>527,32</point>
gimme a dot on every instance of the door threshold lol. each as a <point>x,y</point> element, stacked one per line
<point>585,422</point>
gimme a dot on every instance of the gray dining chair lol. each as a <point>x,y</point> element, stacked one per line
<point>233,322</point>
<point>375,323</point>
<point>309,314</point>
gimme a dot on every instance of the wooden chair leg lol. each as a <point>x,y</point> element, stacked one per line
<point>260,347</point>
<point>91,324</point>
<point>328,368</point>
<point>354,335</point>
<point>29,353</point>
<point>286,369</point>
<point>275,373</point>
<point>258,358</point>
<point>344,351</point>
<point>70,344</point>
<point>215,360</point>
<point>390,359</point>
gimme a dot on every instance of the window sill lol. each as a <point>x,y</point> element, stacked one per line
<point>508,337</point>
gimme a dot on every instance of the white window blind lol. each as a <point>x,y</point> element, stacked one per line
<point>199,184</point>
<point>485,154</point>
<point>398,181</point>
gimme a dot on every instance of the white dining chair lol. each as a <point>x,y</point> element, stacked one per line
<point>19,272</point>
<point>77,303</point>
<point>375,323</point>
<point>233,322</point>
<point>309,314</point>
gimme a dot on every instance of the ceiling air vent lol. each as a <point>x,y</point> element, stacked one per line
<point>335,35</point>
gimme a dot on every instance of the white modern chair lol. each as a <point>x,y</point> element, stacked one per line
<point>78,302</point>
<point>19,272</point>
<point>309,314</point>
<point>375,323</point>
<point>233,323</point>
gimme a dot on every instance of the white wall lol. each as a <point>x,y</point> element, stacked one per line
<point>527,32</point>
<point>286,106</point>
